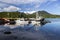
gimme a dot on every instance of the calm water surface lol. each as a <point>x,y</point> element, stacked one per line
<point>49,31</point>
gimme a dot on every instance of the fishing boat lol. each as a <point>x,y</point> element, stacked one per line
<point>39,20</point>
<point>36,21</point>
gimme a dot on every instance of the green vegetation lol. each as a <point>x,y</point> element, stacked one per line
<point>9,14</point>
<point>48,15</point>
<point>15,15</point>
<point>45,14</point>
<point>24,15</point>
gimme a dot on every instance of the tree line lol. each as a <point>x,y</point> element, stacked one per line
<point>25,15</point>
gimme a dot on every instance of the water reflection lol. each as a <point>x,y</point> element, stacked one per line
<point>53,19</point>
<point>29,27</point>
<point>53,27</point>
<point>49,31</point>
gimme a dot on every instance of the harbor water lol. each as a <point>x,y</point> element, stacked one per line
<point>49,31</point>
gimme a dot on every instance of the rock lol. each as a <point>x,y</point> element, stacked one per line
<point>7,32</point>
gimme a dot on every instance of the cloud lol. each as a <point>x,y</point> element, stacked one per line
<point>30,12</point>
<point>53,0</point>
<point>3,5</point>
<point>25,1</point>
<point>0,9</point>
<point>57,6</point>
<point>6,5</point>
<point>37,6</point>
<point>16,1</point>
<point>11,8</point>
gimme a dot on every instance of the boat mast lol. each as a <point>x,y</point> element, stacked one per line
<point>8,15</point>
<point>37,15</point>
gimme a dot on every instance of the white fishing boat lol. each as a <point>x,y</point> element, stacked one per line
<point>36,21</point>
<point>24,21</point>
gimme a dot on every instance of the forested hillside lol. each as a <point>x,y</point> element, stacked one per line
<point>25,15</point>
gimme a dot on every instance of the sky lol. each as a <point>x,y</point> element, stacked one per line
<point>30,6</point>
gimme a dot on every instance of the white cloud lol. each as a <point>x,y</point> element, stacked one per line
<point>37,6</point>
<point>3,5</point>
<point>11,8</point>
<point>25,1</point>
<point>30,12</point>
<point>0,9</point>
<point>17,1</point>
<point>53,0</point>
<point>57,6</point>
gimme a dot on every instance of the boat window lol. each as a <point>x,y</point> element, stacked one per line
<point>21,20</point>
<point>37,20</point>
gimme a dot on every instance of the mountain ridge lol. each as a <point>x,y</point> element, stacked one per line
<point>17,14</point>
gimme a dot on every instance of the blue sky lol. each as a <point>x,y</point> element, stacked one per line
<point>30,6</point>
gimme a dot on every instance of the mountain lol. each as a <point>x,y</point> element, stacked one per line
<point>17,14</point>
<point>45,14</point>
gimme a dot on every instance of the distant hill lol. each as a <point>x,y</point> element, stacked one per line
<point>47,15</point>
<point>25,15</point>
